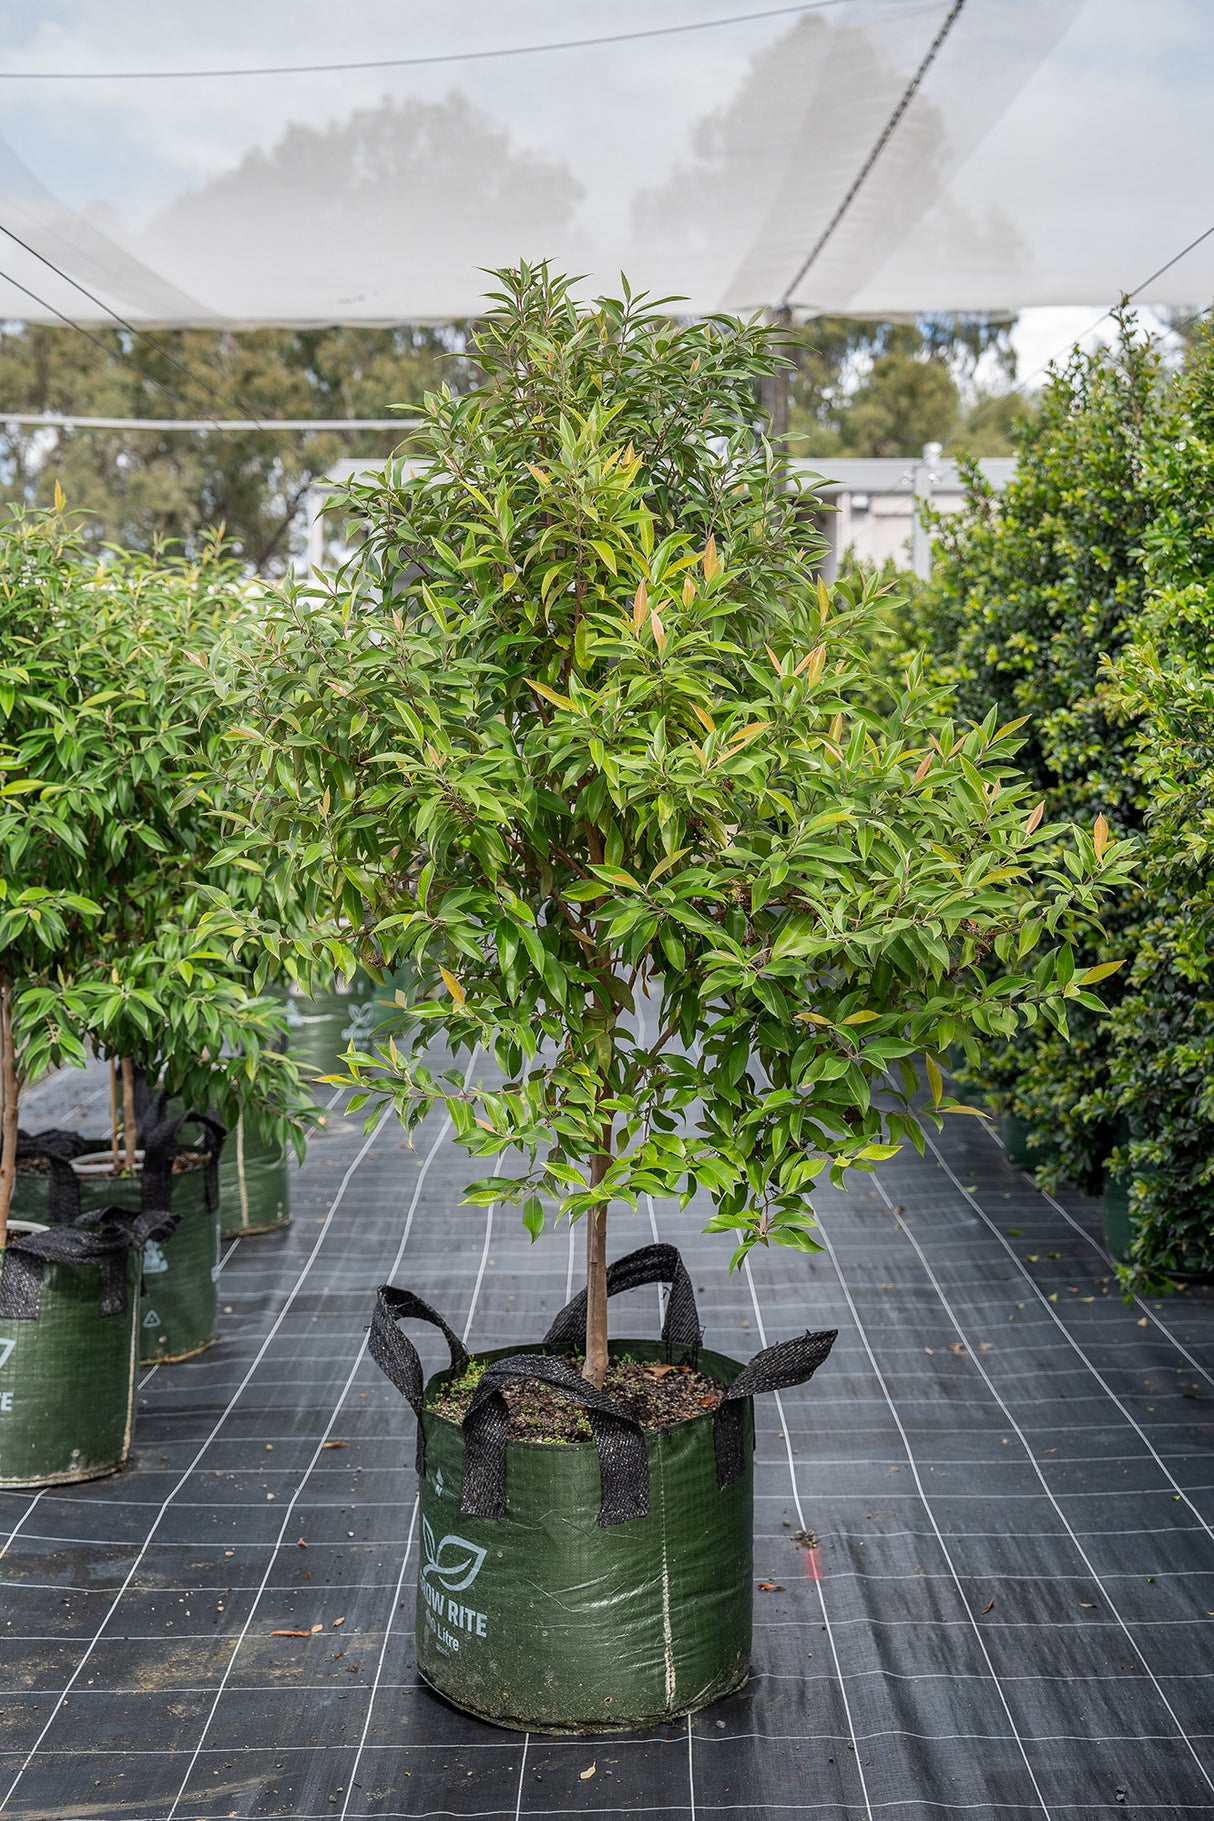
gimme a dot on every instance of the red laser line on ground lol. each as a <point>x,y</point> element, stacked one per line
<point>812,1570</point>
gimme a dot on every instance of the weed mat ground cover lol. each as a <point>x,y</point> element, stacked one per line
<point>985,1534</point>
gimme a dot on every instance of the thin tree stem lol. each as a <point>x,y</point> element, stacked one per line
<point>129,1135</point>
<point>114,1156</point>
<point>595,1368</point>
<point>8,1104</point>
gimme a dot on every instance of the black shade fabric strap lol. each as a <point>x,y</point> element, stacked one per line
<point>623,1462</point>
<point>656,1264</point>
<point>161,1144</point>
<point>397,1357</point>
<point>58,1148</point>
<point>102,1237</point>
<point>789,1362</point>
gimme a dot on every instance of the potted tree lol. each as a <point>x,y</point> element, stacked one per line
<point>577,724</point>
<point>113,744</point>
<point>68,1297</point>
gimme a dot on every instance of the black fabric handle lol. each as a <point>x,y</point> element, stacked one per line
<point>789,1362</point>
<point>162,1141</point>
<point>57,1148</point>
<point>623,1462</point>
<point>657,1264</point>
<point>397,1357</point>
<point>102,1237</point>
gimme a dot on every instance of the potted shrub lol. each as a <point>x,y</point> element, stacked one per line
<point>68,1298</point>
<point>575,726</point>
<point>111,744</point>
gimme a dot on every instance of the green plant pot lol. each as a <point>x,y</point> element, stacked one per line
<point>1020,1152</point>
<point>67,1375</point>
<point>320,1029</point>
<point>544,1619</point>
<point>254,1185</point>
<point>1115,1202</point>
<point>180,1300</point>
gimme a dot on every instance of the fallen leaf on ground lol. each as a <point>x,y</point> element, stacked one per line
<point>657,1371</point>
<point>340,1621</point>
<point>770,1587</point>
<point>806,1538</point>
<point>987,1608</point>
<point>335,1444</point>
<point>317,1628</point>
<point>1090,1604</point>
<point>588,1772</point>
<point>929,1349</point>
<point>290,1634</point>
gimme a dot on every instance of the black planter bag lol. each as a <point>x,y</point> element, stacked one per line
<point>569,1587</point>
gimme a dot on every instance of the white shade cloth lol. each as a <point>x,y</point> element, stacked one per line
<point>1054,151</point>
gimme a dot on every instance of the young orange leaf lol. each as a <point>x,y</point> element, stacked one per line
<point>1035,818</point>
<point>549,695</point>
<point>539,474</point>
<point>658,630</point>
<point>640,606</point>
<point>689,591</point>
<point>704,718</point>
<point>925,766</point>
<point>1100,837</point>
<point>712,566</point>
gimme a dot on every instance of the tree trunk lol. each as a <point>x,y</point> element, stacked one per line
<point>129,1133</point>
<point>8,1108</point>
<point>115,1158</point>
<point>595,1369</point>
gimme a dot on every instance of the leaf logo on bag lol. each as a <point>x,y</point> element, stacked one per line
<point>454,1562</point>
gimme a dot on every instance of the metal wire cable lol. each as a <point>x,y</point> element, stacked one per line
<point>883,138</point>
<point>122,322</point>
<point>1127,297</point>
<point>411,63</point>
<point>110,353</point>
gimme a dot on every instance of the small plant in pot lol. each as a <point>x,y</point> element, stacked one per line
<point>575,726</point>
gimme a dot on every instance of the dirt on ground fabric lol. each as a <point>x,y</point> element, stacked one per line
<point>653,1394</point>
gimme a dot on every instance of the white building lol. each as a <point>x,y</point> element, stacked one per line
<point>870,503</point>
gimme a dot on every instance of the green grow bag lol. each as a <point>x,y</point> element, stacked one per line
<point>69,1301</point>
<point>1018,1148</point>
<point>254,1185</point>
<point>177,1178</point>
<point>583,1587</point>
<point>1115,1204</point>
<point>320,1029</point>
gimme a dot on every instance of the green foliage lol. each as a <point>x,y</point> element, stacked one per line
<point>104,721</point>
<point>1164,1066</point>
<point>578,736</point>
<point>141,488</point>
<point>878,388</point>
<point>1028,594</point>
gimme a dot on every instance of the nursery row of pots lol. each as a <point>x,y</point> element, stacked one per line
<point>108,1269</point>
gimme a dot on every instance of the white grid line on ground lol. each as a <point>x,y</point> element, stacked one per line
<point>171,1495</point>
<point>418,1186</point>
<point>976,1361</point>
<point>1064,1330</point>
<point>931,1516</point>
<point>400,1579</point>
<point>1100,1251</point>
<point>796,1494</point>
